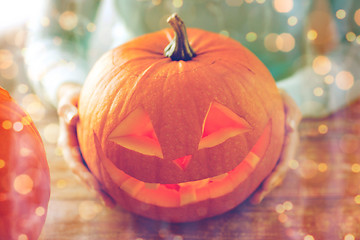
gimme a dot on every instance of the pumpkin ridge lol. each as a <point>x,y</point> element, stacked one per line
<point>260,97</point>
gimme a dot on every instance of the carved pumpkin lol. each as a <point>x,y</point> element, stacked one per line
<point>24,174</point>
<point>182,137</point>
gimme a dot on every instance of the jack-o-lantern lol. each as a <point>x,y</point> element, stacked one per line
<point>24,174</point>
<point>183,135</point>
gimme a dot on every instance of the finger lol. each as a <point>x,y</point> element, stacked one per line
<point>68,112</point>
<point>292,112</point>
<point>277,176</point>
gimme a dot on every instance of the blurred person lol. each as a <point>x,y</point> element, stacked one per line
<point>310,47</point>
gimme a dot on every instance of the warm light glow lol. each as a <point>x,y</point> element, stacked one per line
<point>283,6</point>
<point>61,183</point>
<point>68,20</point>
<point>292,21</point>
<point>341,14</point>
<point>251,37</point>
<point>177,3</point>
<point>136,133</point>
<point>318,91</point>
<point>344,80</point>
<point>329,79</point>
<point>156,2</point>
<point>357,17</point>
<point>355,168</point>
<point>23,184</point>
<point>285,42</point>
<point>309,237</point>
<point>2,163</point>
<point>91,27</point>
<point>40,211</point>
<point>22,88</point>
<point>349,236</point>
<point>6,125</point>
<point>308,169</point>
<point>270,42</point>
<point>321,65</point>
<point>220,124</point>
<point>322,167</point>
<point>293,164</point>
<point>283,218</point>
<point>173,195</point>
<point>350,36</point>
<point>260,1</point>
<point>45,21</point>
<point>224,33</point>
<point>312,34</point>
<point>88,210</point>
<point>6,59</point>
<point>323,129</point>
<point>280,208</point>
<point>23,237</point>
<point>357,199</point>
<point>18,126</point>
<point>24,152</point>
<point>288,205</point>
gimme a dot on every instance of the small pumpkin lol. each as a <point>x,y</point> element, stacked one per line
<point>24,174</point>
<point>183,135</point>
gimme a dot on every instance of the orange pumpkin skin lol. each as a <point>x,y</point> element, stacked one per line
<point>24,174</point>
<point>176,96</point>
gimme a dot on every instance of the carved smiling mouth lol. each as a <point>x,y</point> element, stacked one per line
<point>176,195</point>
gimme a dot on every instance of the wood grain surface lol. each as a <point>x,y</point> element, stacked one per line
<point>320,198</point>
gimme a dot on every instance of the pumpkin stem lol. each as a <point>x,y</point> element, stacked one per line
<point>179,48</point>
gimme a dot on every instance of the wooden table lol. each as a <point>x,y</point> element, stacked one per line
<point>320,198</point>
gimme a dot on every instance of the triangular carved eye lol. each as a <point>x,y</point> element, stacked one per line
<point>136,133</point>
<point>221,124</point>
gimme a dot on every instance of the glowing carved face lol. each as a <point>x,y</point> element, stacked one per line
<point>136,133</point>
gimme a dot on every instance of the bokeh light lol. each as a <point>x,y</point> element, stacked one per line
<point>2,163</point>
<point>355,168</point>
<point>23,184</point>
<point>23,237</point>
<point>88,210</point>
<point>68,20</point>
<point>251,37</point>
<point>357,17</point>
<point>309,237</point>
<point>321,65</point>
<point>323,128</point>
<point>312,34</point>
<point>177,3</point>
<point>349,236</point>
<point>292,21</point>
<point>40,211</point>
<point>283,6</point>
<point>322,167</point>
<point>350,36</point>
<point>341,14</point>
<point>344,80</point>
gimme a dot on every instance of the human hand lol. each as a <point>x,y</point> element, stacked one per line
<point>292,119</point>
<point>68,96</point>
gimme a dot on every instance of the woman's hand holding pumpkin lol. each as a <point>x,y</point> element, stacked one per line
<point>292,119</point>
<point>68,96</point>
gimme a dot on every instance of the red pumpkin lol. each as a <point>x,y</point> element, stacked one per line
<point>24,174</point>
<point>183,137</point>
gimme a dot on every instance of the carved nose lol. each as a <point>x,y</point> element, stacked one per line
<point>183,162</point>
